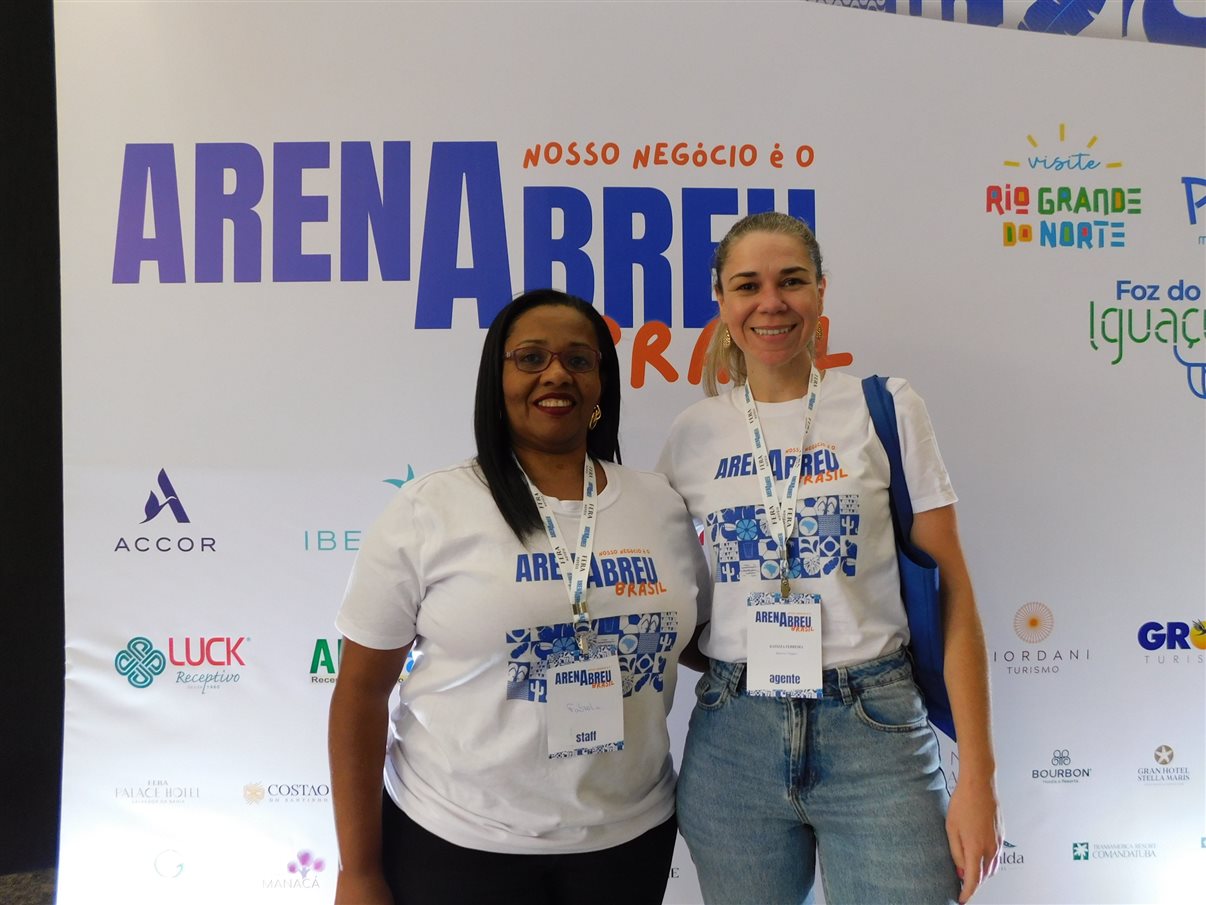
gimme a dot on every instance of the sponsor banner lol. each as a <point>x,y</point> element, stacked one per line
<point>279,257</point>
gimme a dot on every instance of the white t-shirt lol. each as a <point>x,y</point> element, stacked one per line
<point>468,752</point>
<point>843,547</point>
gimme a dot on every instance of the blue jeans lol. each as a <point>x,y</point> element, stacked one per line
<point>768,784</point>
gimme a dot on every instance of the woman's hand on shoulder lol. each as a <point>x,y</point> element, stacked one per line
<point>973,827</point>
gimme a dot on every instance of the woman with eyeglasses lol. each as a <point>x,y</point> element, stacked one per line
<point>809,741</point>
<point>543,593</point>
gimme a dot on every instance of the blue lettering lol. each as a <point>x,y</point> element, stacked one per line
<point>610,575</point>
<point>472,165</point>
<point>148,169</point>
<point>291,209</point>
<point>523,568</point>
<point>622,251</point>
<point>385,206</point>
<point>215,207</point>
<point>541,250</point>
<point>699,206</point>
<point>540,567</point>
<point>625,566</point>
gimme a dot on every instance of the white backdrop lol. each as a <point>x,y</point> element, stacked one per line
<point>219,348</point>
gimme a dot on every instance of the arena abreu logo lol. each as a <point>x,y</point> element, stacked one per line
<point>1034,623</point>
<point>203,663</point>
<point>166,536</point>
<point>1173,642</point>
<point>1063,193</point>
<point>248,197</point>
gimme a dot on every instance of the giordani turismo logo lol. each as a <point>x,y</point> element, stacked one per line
<point>1062,193</point>
<point>164,497</point>
<point>1175,642</point>
<point>1033,624</point>
<point>207,663</point>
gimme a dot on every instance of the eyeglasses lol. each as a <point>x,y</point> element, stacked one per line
<point>534,359</point>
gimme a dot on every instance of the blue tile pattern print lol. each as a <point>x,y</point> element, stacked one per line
<point>640,639</point>
<point>825,541</point>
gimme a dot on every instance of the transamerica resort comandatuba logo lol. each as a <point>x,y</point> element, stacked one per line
<point>1098,851</point>
<point>1035,626</point>
<point>1062,190</point>
<point>165,508</point>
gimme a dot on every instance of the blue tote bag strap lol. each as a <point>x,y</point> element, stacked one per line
<point>918,571</point>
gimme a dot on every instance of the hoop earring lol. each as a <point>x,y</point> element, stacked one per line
<point>727,339</point>
<point>595,417</point>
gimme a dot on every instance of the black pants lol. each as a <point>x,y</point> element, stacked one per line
<point>423,869</point>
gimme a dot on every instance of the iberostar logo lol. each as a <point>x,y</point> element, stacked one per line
<point>1061,194</point>
<point>171,500</point>
<point>140,662</point>
<point>398,482</point>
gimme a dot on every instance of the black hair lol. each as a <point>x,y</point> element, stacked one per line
<point>495,458</point>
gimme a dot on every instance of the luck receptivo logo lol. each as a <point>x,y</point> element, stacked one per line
<point>204,663</point>
<point>1034,624</point>
<point>1173,643</point>
<point>166,536</point>
<point>1062,192</point>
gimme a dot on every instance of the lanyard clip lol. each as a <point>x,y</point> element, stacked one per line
<point>582,632</point>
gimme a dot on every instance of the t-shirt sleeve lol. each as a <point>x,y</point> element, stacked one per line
<point>925,472</point>
<point>666,461</point>
<point>381,604</point>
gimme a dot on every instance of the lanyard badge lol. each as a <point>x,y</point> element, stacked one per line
<point>574,570</point>
<point>781,515</point>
